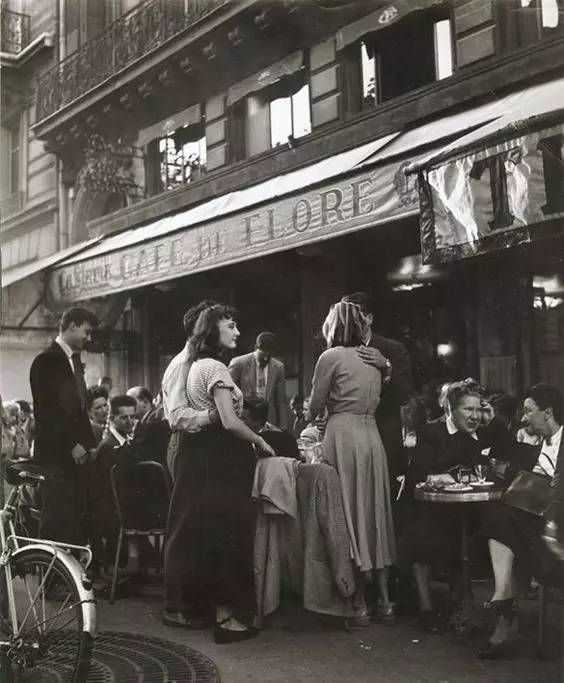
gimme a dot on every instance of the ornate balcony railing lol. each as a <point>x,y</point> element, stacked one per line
<point>14,31</point>
<point>133,35</point>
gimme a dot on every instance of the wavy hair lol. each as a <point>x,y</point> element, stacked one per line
<point>204,342</point>
<point>458,390</point>
<point>345,325</point>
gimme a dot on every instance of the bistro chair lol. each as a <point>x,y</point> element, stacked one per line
<point>141,495</point>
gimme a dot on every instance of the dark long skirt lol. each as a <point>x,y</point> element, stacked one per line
<point>211,524</point>
<point>521,532</point>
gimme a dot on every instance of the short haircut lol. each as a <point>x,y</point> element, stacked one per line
<point>122,401</point>
<point>547,396</point>
<point>105,380</point>
<point>266,341</point>
<point>360,299</point>
<point>141,394</point>
<point>192,314</point>
<point>94,392</point>
<point>78,316</point>
<point>257,408</point>
<point>459,390</point>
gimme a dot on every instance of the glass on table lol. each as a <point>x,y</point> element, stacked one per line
<point>481,472</point>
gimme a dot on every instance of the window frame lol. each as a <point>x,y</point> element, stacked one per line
<point>291,97</point>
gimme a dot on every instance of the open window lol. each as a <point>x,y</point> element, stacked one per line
<point>272,107</point>
<point>389,72</point>
<point>521,23</point>
<point>175,151</point>
<point>182,156</point>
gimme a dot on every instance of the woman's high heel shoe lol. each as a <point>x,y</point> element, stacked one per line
<point>502,609</point>
<point>222,635</point>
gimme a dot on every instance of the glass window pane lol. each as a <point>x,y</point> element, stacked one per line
<point>443,49</point>
<point>280,121</point>
<point>549,13</point>
<point>302,113</point>
<point>369,85</point>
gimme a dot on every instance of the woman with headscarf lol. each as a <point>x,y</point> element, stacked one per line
<point>350,390</point>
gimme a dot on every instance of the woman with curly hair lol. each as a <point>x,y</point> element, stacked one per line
<point>209,553</point>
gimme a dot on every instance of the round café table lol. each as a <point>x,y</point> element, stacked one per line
<point>465,501</point>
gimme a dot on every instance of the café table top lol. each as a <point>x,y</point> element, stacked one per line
<point>477,496</point>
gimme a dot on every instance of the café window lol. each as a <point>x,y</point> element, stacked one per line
<point>388,70</point>
<point>182,156</point>
<point>290,117</point>
<point>83,20</point>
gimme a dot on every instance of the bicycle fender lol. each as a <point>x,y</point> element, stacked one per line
<point>75,569</point>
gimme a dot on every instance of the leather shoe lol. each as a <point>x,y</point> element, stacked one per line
<point>222,635</point>
<point>181,620</point>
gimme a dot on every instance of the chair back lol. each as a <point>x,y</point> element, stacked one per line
<point>141,495</point>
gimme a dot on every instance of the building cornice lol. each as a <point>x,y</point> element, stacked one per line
<point>15,61</point>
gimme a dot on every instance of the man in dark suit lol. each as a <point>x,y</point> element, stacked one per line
<point>259,374</point>
<point>395,392</point>
<point>114,449</point>
<point>152,433</point>
<point>64,437</point>
<point>515,534</point>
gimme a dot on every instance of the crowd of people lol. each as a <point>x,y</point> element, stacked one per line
<point>217,414</point>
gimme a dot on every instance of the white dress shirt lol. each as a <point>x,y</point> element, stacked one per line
<point>546,463</point>
<point>258,390</point>
<point>178,413</point>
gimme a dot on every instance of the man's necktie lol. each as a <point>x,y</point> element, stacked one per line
<point>79,376</point>
<point>261,382</point>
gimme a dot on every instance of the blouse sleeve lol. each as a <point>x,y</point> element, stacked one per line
<point>218,377</point>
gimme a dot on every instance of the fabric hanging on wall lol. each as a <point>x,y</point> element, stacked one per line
<point>266,77</point>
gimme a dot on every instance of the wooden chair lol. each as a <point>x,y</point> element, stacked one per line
<point>141,495</point>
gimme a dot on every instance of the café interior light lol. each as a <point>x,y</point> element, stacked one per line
<point>410,273</point>
<point>444,350</point>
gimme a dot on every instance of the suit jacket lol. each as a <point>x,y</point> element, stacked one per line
<point>243,370</point>
<point>394,394</point>
<point>61,421</point>
<point>151,437</point>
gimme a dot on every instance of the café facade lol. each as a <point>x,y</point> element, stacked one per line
<point>456,234</point>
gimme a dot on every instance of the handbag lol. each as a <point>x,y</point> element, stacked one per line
<point>530,492</point>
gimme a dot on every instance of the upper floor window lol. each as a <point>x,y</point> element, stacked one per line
<point>290,117</point>
<point>84,19</point>
<point>521,23</point>
<point>14,147</point>
<point>389,70</point>
<point>175,150</point>
<point>182,156</point>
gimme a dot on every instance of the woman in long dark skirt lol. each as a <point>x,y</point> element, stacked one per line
<point>209,551</point>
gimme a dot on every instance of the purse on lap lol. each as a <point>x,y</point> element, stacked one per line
<point>530,492</point>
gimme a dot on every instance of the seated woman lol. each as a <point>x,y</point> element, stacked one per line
<point>430,536</point>
<point>514,535</point>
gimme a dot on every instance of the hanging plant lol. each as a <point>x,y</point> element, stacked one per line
<point>104,170</point>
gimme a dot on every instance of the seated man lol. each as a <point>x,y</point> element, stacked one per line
<point>514,534</point>
<point>152,433</point>
<point>114,449</point>
<point>255,412</point>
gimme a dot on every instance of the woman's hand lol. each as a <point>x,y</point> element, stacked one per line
<point>265,449</point>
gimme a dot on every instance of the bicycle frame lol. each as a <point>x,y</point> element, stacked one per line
<point>10,547</point>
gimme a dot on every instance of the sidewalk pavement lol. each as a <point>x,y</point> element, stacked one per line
<point>298,647</point>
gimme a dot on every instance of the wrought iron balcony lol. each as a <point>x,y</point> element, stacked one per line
<point>15,31</point>
<point>134,35</point>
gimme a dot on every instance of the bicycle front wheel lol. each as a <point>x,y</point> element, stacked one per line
<point>51,642</point>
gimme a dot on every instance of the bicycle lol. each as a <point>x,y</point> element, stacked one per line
<point>47,607</point>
